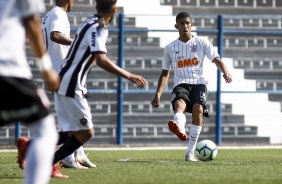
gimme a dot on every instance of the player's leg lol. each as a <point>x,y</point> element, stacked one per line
<point>69,161</point>
<point>199,96</point>
<point>18,96</point>
<point>74,116</point>
<point>72,144</point>
<point>41,150</point>
<point>195,130</point>
<point>177,125</point>
<point>179,98</point>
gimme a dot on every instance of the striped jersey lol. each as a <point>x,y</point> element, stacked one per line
<point>13,61</point>
<point>56,20</point>
<point>90,38</point>
<point>186,59</point>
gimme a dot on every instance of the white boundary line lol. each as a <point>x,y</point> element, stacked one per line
<point>162,148</point>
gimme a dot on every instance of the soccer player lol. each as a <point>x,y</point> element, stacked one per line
<point>186,55</point>
<point>19,98</point>
<point>89,47</point>
<point>56,34</point>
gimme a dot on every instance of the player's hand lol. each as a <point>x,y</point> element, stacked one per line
<point>227,77</point>
<point>138,80</point>
<point>52,79</point>
<point>156,102</point>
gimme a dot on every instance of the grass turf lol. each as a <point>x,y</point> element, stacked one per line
<point>257,166</point>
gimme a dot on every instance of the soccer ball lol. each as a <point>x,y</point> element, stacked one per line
<point>206,150</point>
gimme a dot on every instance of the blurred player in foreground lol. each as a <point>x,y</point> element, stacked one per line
<point>56,34</point>
<point>186,55</point>
<point>19,98</point>
<point>89,46</point>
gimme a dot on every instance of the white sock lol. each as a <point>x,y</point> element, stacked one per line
<point>193,137</point>
<point>180,119</point>
<point>70,158</point>
<point>41,151</point>
<point>80,151</point>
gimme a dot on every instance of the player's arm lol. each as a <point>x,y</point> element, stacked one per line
<point>32,26</point>
<point>104,62</point>
<point>222,67</point>
<point>60,38</point>
<point>161,86</point>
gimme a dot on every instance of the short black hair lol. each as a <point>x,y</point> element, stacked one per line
<point>105,5</point>
<point>182,15</point>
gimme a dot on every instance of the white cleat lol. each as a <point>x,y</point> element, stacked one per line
<point>83,160</point>
<point>71,164</point>
<point>190,157</point>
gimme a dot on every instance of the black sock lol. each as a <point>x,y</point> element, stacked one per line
<point>63,136</point>
<point>66,149</point>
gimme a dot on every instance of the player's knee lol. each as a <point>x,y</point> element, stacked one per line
<point>179,105</point>
<point>198,108</point>
<point>84,135</point>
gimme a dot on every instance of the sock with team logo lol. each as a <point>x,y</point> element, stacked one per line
<point>193,137</point>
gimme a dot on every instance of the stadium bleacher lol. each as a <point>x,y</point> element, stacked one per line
<point>225,6</point>
<point>143,124</point>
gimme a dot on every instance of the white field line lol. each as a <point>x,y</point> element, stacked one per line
<point>163,148</point>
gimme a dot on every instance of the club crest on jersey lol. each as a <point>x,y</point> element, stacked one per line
<point>194,48</point>
<point>83,121</point>
<point>93,39</point>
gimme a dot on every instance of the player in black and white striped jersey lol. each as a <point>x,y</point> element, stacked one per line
<point>186,55</point>
<point>20,100</point>
<point>56,36</point>
<point>89,46</point>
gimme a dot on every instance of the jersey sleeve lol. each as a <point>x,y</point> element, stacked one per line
<point>58,21</point>
<point>30,7</point>
<point>96,38</point>
<point>166,61</point>
<point>210,50</point>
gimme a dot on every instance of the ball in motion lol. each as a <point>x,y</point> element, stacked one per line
<point>206,150</point>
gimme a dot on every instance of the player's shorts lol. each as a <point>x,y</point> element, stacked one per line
<point>73,114</point>
<point>20,100</point>
<point>192,94</point>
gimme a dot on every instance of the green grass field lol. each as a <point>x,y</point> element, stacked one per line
<point>257,166</point>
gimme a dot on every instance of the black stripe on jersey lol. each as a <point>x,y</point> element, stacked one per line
<point>73,49</point>
<point>70,57</point>
<point>73,81</point>
<point>46,40</point>
<point>88,64</point>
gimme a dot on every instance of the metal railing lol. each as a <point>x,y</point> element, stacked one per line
<point>219,30</point>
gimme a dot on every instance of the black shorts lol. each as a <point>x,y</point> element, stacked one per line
<point>20,100</point>
<point>192,94</point>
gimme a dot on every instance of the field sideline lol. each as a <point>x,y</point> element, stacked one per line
<point>116,148</point>
<point>164,165</point>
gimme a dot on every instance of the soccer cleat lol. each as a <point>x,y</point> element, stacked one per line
<point>83,160</point>
<point>71,164</point>
<point>22,143</point>
<point>56,173</point>
<point>190,157</point>
<point>174,128</point>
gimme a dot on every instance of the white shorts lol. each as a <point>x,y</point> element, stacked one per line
<point>73,114</point>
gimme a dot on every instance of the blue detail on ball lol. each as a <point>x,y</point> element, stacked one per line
<point>208,148</point>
